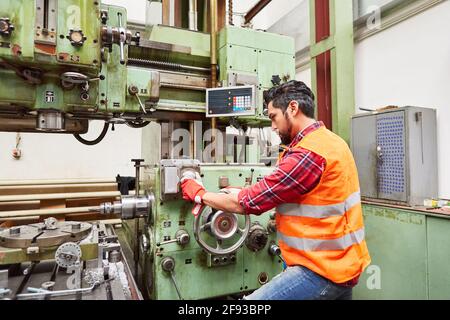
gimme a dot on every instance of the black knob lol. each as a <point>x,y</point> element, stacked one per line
<point>168,264</point>
<point>6,27</point>
<point>76,37</point>
<point>104,16</point>
<point>137,162</point>
<point>276,80</point>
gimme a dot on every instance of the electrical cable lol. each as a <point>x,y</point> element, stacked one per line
<point>137,124</point>
<point>97,140</point>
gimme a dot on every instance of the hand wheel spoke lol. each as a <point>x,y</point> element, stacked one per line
<point>206,226</point>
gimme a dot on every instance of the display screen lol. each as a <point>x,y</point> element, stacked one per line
<point>230,102</point>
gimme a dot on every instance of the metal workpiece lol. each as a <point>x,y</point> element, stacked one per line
<point>129,207</point>
<point>52,224</point>
<point>68,255</point>
<point>50,121</point>
<point>37,235</point>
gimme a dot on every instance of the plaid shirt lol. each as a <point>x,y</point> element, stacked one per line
<point>298,172</point>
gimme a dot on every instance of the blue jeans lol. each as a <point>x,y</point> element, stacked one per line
<point>300,283</point>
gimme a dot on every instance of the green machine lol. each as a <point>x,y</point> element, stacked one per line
<point>67,62</point>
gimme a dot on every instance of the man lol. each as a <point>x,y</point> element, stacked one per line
<point>315,190</point>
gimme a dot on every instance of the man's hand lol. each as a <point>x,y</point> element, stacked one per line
<point>192,187</point>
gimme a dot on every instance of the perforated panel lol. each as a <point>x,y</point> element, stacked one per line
<point>391,162</point>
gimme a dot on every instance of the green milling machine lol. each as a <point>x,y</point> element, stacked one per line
<point>65,63</point>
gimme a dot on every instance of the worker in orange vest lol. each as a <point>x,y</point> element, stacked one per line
<point>315,191</point>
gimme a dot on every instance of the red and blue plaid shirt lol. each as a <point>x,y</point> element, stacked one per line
<point>297,173</point>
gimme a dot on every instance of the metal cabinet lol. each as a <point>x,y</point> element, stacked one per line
<point>396,154</point>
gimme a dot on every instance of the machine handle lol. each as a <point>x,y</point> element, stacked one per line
<point>197,209</point>
<point>122,39</point>
<point>134,91</point>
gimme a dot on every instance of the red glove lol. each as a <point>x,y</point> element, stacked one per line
<point>192,191</point>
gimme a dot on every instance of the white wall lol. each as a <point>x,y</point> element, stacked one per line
<point>58,156</point>
<point>136,9</point>
<point>409,64</point>
<point>305,76</point>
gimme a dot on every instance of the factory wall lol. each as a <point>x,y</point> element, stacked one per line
<point>409,64</point>
<point>57,156</point>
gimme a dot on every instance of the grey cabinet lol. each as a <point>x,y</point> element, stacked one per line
<point>396,154</point>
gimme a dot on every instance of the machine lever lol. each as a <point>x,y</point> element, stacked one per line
<point>172,276</point>
<point>168,265</point>
<point>181,237</point>
<point>166,242</point>
<point>122,39</point>
<point>134,91</point>
<point>140,103</point>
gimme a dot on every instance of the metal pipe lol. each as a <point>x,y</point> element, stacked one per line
<point>55,196</point>
<point>41,293</point>
<point>193,19</point>
<point>43,212</point>
<point>255,10</point>
<point>52,188</point>
<point>213,16</point>
<point>12,183</point>
<point>137,165</point>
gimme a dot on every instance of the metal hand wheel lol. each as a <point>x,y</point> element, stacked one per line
<point>223,227</point>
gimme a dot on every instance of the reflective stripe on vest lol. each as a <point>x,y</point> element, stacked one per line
<point>341,243</point>
<point>312,211</point>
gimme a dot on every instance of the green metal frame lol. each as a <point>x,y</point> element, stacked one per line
<point>341,45</point>
<point>409,251</point>
<point>195,278</point>
<point>89,251</point>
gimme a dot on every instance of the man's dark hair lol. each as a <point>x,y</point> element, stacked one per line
<point>293,90</point>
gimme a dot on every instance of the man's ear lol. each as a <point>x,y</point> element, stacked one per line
<point>294,107</point>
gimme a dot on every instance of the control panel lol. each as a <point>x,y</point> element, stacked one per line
<point>230,101</point>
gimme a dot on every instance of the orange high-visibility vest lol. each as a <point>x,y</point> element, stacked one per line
<point>323,230</point>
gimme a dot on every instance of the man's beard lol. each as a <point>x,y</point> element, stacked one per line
<point>286,137</point>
